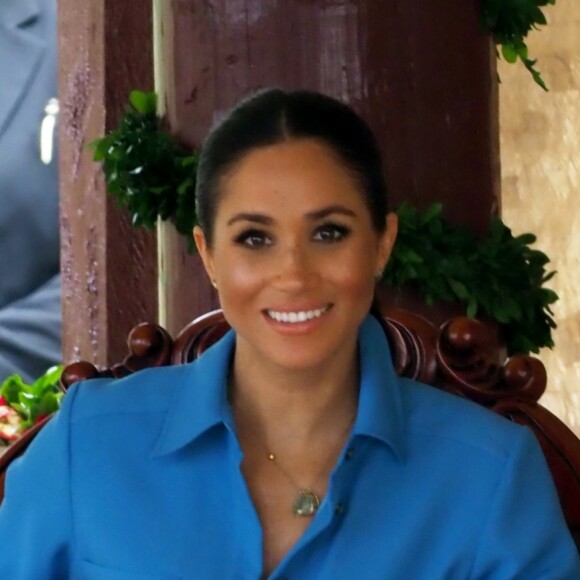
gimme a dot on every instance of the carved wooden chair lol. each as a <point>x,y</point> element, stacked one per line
<point>463,356</point>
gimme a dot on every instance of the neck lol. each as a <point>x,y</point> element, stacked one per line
<point>292,408</point>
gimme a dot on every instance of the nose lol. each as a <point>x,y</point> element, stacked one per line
<point>295,270</point>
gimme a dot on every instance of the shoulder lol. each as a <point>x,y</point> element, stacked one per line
<point>160,408</point>
<point>433,414</point>
<point>149,390</point>
<point>430,419</point>
<point>155,389</point>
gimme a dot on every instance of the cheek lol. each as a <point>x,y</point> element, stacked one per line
<point>238,278</point>
<point>354,273</point>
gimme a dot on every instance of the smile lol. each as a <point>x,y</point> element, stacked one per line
<point>297,316</point>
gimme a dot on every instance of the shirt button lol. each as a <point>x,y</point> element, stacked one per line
<point>339,509</point>
<point>349,453</point>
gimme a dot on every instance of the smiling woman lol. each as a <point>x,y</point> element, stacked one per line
<point>296,275</point>
<point>290,448</point>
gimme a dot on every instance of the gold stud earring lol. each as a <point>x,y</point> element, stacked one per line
<point>214,284</point>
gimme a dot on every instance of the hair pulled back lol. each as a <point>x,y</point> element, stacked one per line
<point>273,116</point>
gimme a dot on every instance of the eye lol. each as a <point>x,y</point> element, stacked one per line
<point>253,239</point>
<point>331,232</point>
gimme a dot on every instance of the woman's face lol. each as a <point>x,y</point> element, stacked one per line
<point>294,255</point>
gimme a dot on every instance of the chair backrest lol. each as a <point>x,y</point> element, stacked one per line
<point>463,356</point>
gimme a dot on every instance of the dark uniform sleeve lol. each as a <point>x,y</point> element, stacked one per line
<point>30,333</point>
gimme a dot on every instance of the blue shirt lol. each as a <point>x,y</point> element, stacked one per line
<point>140,478</point>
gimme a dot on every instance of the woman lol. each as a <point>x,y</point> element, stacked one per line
<point>290,449</point>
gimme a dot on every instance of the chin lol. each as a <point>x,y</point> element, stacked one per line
<point>305,357</point>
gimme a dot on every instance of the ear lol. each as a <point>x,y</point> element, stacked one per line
<point>204,252</point>
<point>387,241</point>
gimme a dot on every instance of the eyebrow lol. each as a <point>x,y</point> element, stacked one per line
<point>318,214</point>
<point>258,218</point>
<point>331,209</point>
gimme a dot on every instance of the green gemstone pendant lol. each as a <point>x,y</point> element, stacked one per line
<point>306,503</point>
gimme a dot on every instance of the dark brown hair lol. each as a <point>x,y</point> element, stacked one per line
<point>272,116</point>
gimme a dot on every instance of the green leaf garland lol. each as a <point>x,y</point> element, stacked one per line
<point>146,170</point>
<point>500,277</point>
<point>510,21</point>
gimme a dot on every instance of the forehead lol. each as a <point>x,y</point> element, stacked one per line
<point>296,175</point>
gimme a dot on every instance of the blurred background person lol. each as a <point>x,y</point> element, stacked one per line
<point>30,313</point>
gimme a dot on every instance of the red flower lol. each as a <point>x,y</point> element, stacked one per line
<point>40,418</point>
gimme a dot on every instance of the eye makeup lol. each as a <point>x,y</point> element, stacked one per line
<point>331,232</point>
<point>253,238</point>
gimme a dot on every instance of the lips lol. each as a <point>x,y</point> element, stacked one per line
<point>297,316</point>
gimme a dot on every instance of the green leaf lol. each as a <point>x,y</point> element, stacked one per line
<point>99,148</point>
<point>509,53</point>
<point>522,51</point>
<point>549,296</point>
<point>548,277</point>
<point>431,212</point>
<point>145,103</point>
<point>49,403</point>
<point>529,64</point>
<point>43,396</point>
<point>411,256</point>
<point>189,161</point>
<point>11,387</point>
<point>459,289</point>
<point>49,379</point>
<point>471,307</point>
<point>526,239</point>
<point>510,21</point>
<point>538,16</point>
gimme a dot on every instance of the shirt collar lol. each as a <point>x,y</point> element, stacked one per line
<point>380,408</point>
<point>200,398</point>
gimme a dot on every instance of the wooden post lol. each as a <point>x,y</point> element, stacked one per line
<point>184,291</point>
<point>422,75</point>
<point>108,267</point>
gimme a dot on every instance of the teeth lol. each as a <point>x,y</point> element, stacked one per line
<point>300,316</point>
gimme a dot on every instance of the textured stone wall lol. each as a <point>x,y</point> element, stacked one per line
<point>540,155</point>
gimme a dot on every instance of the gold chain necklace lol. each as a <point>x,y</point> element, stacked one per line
<point>307,501</point>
